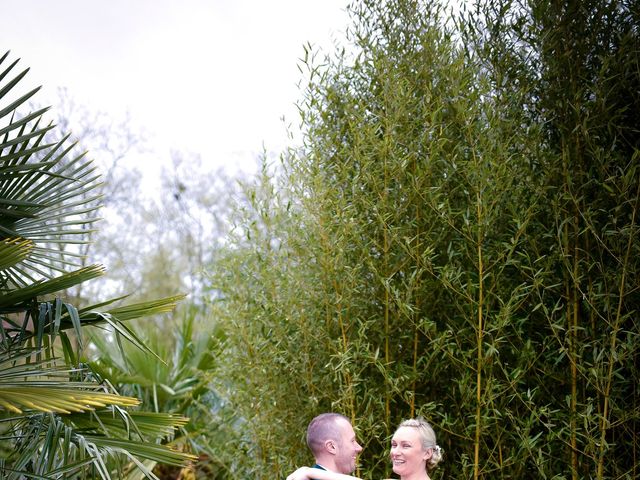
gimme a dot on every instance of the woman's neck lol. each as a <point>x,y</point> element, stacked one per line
<point>416,476</point>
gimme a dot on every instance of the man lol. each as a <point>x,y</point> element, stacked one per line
<point>332,442</point>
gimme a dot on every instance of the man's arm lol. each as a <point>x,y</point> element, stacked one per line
<point>307,473</point>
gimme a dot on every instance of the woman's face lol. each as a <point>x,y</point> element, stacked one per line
<point>407,454</point>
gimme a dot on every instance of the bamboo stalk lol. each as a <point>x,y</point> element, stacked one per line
<point>604,421</point>
<point>479,340</point>
<point>387,354</point>
<point>570,294</point>
<point>412,405</point>
<point>573,340</point>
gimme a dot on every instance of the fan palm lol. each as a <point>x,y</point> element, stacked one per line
<point>58,419</point>
<point>182,386</point>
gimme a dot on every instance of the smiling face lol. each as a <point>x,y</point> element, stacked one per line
<point>408,456</point>
<point>347,449</point>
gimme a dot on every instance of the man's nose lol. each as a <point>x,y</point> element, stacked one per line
<point>358,448</point>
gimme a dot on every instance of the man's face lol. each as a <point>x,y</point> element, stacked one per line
<point>347,449</point>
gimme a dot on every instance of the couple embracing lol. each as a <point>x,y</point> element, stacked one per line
<point>331,439</point>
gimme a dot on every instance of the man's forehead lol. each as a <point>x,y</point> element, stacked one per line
<point>345,426</point>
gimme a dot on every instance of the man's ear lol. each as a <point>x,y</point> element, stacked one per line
<point>330,446</point>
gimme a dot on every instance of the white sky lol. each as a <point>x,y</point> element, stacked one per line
<point>212,77</point>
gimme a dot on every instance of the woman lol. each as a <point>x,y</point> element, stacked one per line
<point>414,454</point>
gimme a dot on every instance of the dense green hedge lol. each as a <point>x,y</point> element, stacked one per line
<point>456,238</point>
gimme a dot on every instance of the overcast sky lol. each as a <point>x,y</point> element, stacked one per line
<point>205,76</point>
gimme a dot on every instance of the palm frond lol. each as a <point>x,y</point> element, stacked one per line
<point>48,287</point>
<point>46,194</point>
<point>147,450</point>
<point>60,417</point>
<point>13,251</point>
<point>57,444</point>
<point>153,307</point>
<point>149,425</point>
<point>28,383</point>
<point>18,398</point>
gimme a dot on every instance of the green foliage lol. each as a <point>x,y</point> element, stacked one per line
<point>270,334</point>
<point>177,380</point>
<point>57,418</point>
<point>457,238</point>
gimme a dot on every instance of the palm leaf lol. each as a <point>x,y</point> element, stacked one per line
<point>28,384</point>
<point>116,316</point>
<point>18,398</point>
<point>153,307</point>
<point>48,287</point>
<point>149,425</point>
<point>57,444</point>
<point>147,450</point>
<point>13,251</point>
<point>46,195</point>
<point>62,419</point>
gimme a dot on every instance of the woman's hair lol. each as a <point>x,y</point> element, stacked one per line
<point>428,439</point>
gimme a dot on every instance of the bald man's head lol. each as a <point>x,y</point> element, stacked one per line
<point>332,441</point>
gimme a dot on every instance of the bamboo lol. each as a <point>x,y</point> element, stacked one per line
<point>613,354</point>
<point>501,298</point>
<point>572,321</point>
<point>479,338</point>
<point>573,357</point>
<point>385,255</point>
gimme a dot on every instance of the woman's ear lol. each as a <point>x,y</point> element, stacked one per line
<point>428,453</point>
